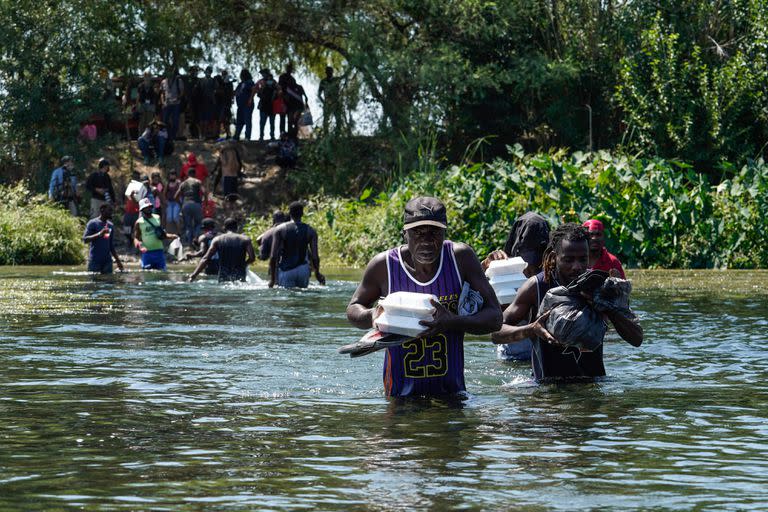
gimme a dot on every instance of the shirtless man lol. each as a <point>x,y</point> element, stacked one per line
<point>228,168</point>
<point>432,364</point>
<point>235,252</point>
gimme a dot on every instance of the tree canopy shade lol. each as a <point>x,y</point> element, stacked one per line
<point>678,79</point>
<point>51,59</point>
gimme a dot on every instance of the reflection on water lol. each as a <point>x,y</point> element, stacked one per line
<point>140,391</point>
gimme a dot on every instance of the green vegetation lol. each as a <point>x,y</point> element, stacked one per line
<point>35,232</point>
<point>659,213</point>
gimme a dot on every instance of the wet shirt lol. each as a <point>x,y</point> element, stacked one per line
<point>100,250</point>
<point>212,268</point>
<point>608,261</point>
<point>231,249</point>
<point>295,241</point>
<point>434,365</point>
<point>553,362</point>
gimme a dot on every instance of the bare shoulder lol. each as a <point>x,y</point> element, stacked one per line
<point>462,250</point>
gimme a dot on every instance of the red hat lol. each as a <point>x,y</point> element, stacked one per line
<point>192,158</point>
<point>594,225</point>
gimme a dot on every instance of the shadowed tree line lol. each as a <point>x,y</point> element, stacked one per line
<point>676,79</point>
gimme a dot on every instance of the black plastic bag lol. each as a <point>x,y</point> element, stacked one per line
<point>572,321</point>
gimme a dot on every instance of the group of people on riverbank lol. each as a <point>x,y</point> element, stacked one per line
<point>179,106</point>
<point>433,363</point>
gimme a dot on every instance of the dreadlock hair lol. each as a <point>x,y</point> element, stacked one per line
<point>569,231</point>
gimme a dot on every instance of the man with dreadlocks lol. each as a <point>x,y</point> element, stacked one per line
<point>566,257</point>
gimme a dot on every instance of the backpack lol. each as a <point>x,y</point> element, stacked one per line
<point>267,92</point>
<point>243,92</point>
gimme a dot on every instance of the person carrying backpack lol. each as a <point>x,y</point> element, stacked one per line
<point>266,89</point>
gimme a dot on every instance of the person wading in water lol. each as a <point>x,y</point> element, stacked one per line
<point>294,248</point>
<point>235,253</point>
<point>432,364</point>
<point>566,258</point>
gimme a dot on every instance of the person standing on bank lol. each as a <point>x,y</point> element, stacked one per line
<point>433,364</point>
<point>99,184</point>
<point>599,257</point>
<point>148,236</point>
<point>294,248</point>
<point>235,252</point>
<point>566,258</point>
<point>63,186</point>
<point>99,233</point>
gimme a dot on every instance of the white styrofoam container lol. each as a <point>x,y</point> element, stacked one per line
<point>506,292</point>
<point>518,279</point>
<point>506,299</point>
<point>409,304</point>
<point>406,325</point>
<point>508,266</point>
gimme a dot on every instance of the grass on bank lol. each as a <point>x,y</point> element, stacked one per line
<point>35,232</point>
<point>659,213</point>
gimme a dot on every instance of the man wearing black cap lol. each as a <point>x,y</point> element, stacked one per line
<point>432,364</point>
<point>99,184</point>
<point>294,252</point>
<point>527,239</point>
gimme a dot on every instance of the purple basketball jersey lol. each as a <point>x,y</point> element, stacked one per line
<point>434,365</point>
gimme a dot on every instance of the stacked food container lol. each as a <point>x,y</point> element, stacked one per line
<point>403,311</point>
<point>506,276</point>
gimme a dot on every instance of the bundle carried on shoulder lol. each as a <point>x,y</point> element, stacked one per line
<point>576,321</point>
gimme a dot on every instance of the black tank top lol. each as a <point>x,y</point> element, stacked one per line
<point>295,240</point>
<point>231,249</point>
<point>550,363</point>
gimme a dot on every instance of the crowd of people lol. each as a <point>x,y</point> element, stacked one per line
<point>177,107</point>
<point>432,364</point>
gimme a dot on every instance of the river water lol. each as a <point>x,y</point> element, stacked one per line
<point>143,392</point>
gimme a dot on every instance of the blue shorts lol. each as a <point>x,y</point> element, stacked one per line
<point>295,278</point>
<point>153,260</point>
<point>102,267</point>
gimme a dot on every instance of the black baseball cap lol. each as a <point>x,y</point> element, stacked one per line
<point>528,238</point>
<point>424,211</point>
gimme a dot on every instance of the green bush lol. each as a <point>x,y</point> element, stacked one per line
<point>35,232</point>
<point>659,213</point>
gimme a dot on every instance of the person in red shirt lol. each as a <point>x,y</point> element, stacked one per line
<point>599,257</point>
<point>201,171</point>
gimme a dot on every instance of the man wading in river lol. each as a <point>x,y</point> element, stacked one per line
<point>434,363</point>
<point>235,253</point>
<point>294,248</point>
<point>566,257</point>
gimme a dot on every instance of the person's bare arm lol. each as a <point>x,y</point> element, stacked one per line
<point>488,319</point>
<point>629,330</point>
<point>250,253</point>
<point>277,247</point>
<point>204,261</point>
<point>314,256</point>
<point>137,234</point>
<point>526,299</point>
<point>360,311</point>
